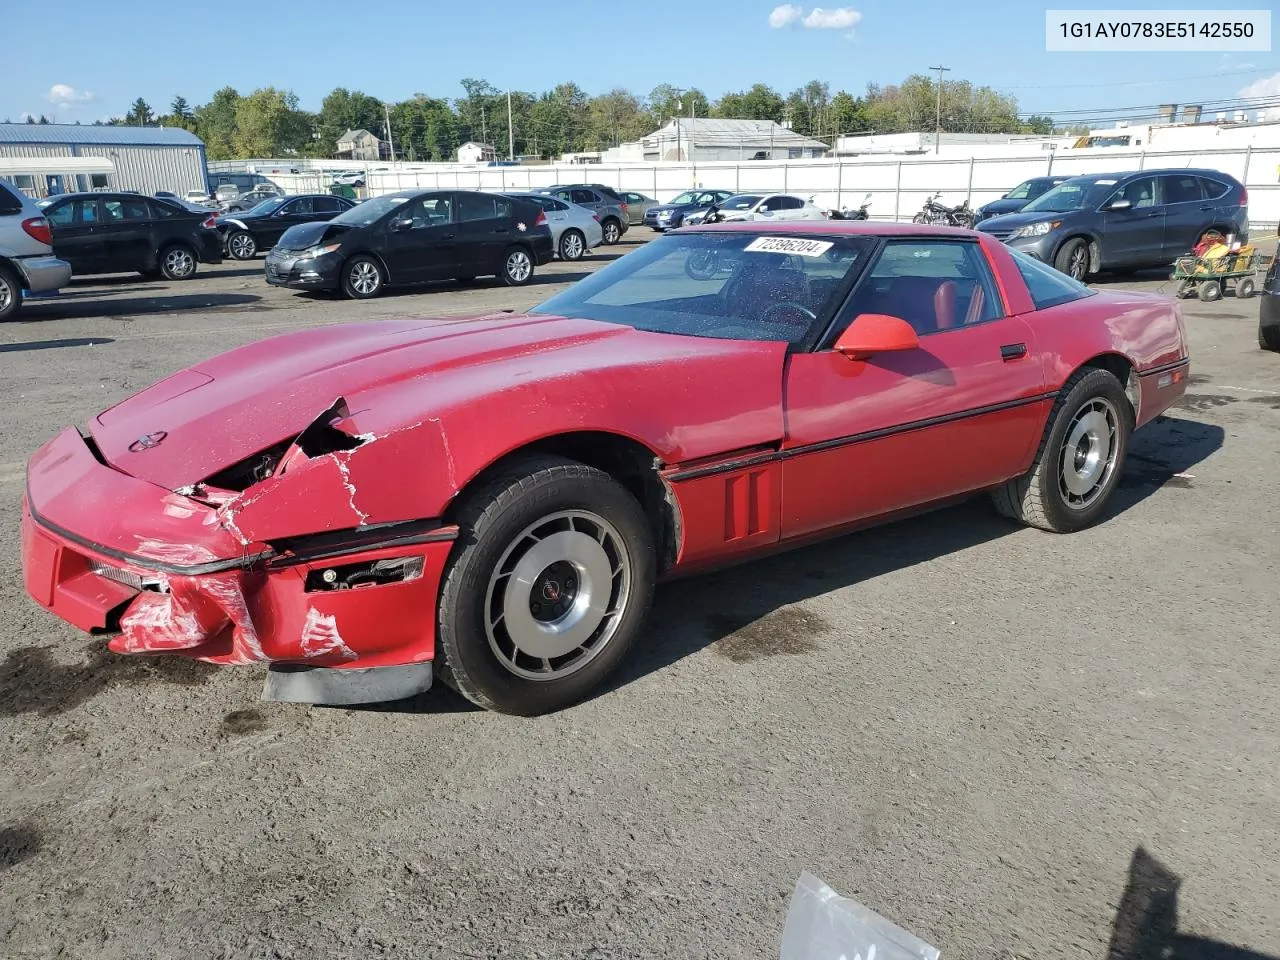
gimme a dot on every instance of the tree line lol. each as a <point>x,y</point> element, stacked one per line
<point>269,122</point>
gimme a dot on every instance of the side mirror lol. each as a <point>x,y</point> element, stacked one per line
<point>1119,205</point>
<point>401,225</point>
<point>872,333</point>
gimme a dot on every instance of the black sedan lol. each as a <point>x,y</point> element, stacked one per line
<point>406,238</point>
<point>668,216</point>
<point>245,234</point>
<point>124,232</point>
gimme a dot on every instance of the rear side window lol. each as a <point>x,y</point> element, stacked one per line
<point>1047,286</point>
<point>789,203</point>
<point>9,204</point>
<point>117,210</point>
<point>60,216</point>
<point>479,206</point>
<point>160,210</point>
<point>1214,189</point>
<point>583,197</point>
<point>86,211</point>
<point>1180,188</point>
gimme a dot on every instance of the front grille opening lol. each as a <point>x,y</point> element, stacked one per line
<point>370,574</point>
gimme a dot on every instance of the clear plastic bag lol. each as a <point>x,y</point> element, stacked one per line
<point>822,925</point>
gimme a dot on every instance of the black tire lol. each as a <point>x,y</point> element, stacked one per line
<point>1268,337</point>
<point>1039,498</point>
<point>573,245</point>
<point>10,293</point>
<point>1244,288</point>
<point>1209,291</point>
<point>362,277</point>
<point>1186,288</point>
<point>1073,259</point>
<point>177,262</point>
<point>242,245</point>
<point>472,656</point>
<point>612,231</point>
<point>919,218</point>
<point>517,267</point>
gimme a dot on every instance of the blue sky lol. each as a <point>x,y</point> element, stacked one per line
<point>94,59</point>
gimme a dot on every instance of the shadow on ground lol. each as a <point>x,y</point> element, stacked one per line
<point>54,344</point>
<point>42,311</point>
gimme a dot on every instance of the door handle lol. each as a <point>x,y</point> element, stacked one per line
<point>1013,351</point>
<point>501,230</point>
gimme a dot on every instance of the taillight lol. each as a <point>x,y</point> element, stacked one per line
<point>624,206</point>
<point>542,219</point>
<point>210,224</point>
<point>1244,196</point>
<point>595,217</point>
<point>37,228</point>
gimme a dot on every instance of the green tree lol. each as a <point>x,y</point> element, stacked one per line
<point>269,124</point>
<point>761,102</point>
<point>140,114</point>
<point>44,119</point>
<point>847,114</point>
<point>423,128</point>
<point>1038,124</point>
<point>180,108</point>
<point>667,102</point>
<point>344,110</point>
<point>616,117</point>
<point>216,124</point>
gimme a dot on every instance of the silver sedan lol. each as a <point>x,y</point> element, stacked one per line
<point>574,229</point>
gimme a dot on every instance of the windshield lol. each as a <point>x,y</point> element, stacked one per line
<point>687,197</point>
<point>1075,194</point>
<point>267,206</point>
<point>1021,191</point>
<point>732,286</point>
<point>742,201</point>
<point>363,214</point>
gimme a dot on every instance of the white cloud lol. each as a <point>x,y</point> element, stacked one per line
<point>784,15</point>
<point>841,18</point>
<point>1266,87</point>
<point>65,95</point>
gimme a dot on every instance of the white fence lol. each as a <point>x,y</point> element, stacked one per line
<point>898,185</point>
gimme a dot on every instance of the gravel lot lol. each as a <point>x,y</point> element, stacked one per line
<point>968,726</point>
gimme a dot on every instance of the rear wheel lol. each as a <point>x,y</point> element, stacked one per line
<point>1244,288</point>
<point>241,245</point>
<point>362,278</point>
<point>177,262</point>
<point>573,245</point>
<point>517,267</point>
<point>10,293</point>
<point>612,231</point>
<point>1080,457</point>
<point>1073,259</point>
<point>548,587</point>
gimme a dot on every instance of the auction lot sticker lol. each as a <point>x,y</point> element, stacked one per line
<point>1137,31</point>
<point>797,245</point>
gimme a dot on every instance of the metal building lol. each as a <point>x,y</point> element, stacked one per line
<point>145,159</point>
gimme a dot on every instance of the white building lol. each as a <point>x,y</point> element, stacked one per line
<point>706,140</point>
<point>857,145</point>
<point>472,152</point>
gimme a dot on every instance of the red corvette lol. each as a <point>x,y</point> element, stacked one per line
<point>492,499</point>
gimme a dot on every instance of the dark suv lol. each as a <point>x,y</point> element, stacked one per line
<point>124,232</point>
<point>1124,221</point>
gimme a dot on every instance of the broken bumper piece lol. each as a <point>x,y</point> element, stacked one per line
<point>103,550</point>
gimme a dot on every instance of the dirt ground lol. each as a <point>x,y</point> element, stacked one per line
<point>974,729</point>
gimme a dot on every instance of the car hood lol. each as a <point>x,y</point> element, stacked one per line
<point>393,373</point>
<point>1002,206</point>
<point>673,207</point>
<point>1011,221</point>
<point>305,235</point>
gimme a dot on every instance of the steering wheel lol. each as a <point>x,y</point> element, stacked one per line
<point>787,305</point>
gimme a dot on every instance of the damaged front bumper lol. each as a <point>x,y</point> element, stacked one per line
<point>106,551</point>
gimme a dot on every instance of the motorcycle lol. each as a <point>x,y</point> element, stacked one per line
<point>939,213</point>
<point>849,213</point>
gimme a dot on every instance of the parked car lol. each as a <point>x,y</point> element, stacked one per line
<point>491,501</point>
<point>405,238</point>
<point>350,178</point>
<point>121,233</point>
<point>637,205</point>
<point>1124,220</point>
<point>754,206</point>
<point>243,202</point>
<point>1269,307</point>
<point>574,229</point>
<point>199,197</point>
<point>668,216</point>
<point>27,260</point>
<point>612,209</point>
<point>246,234</point>
<point>1018,197</point>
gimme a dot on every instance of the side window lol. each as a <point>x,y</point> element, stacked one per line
<point>479,206</point>
<point>791,203</point>
<point>1180,188</point>
<point>61,215</point>
<point>557,206</point>
<point>326,204</point>
<point>116,210</point>
<point>1047,286</point>
<point>301,207</point>
<point>9,204</point>
<point>935,285</point>
<point>427,212</point>
<point>87,211</point>
<point>1214,189</point>
<point>584,198</point>
<point>97,181</point>
<point>770,204</point>
<point>1140,193</point>
<point>161,210</point>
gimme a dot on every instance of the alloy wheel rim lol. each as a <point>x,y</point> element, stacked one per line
<point>179,262</point>
<point>572,247</point>
<point>242,246</point>
<point>1077,263</point>
<point>1087,459</point>
<point>611,233</point>
<point>6,295</point>
<point>557,595</point>
<point>364,277</point>
<point>518,266</point>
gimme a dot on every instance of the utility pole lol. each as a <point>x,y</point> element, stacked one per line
<point>937,133</point>
<point>511,136</point>
<point>391,143</point>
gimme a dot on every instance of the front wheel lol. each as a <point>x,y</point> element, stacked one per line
<point>10,293</point>
<point>612,232</point>
<point>1080,458</point>
<point>1244,288</point>
<point>547,589</point>
<point>572,245</point>
<point>362,278</point>
<point>517,267</point>
<point>1073,259</point>
<point>177,263</point>
<point>920,218</point>
<point>241,245</point>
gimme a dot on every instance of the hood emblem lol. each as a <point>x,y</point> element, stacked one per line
<point>148,441</point>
